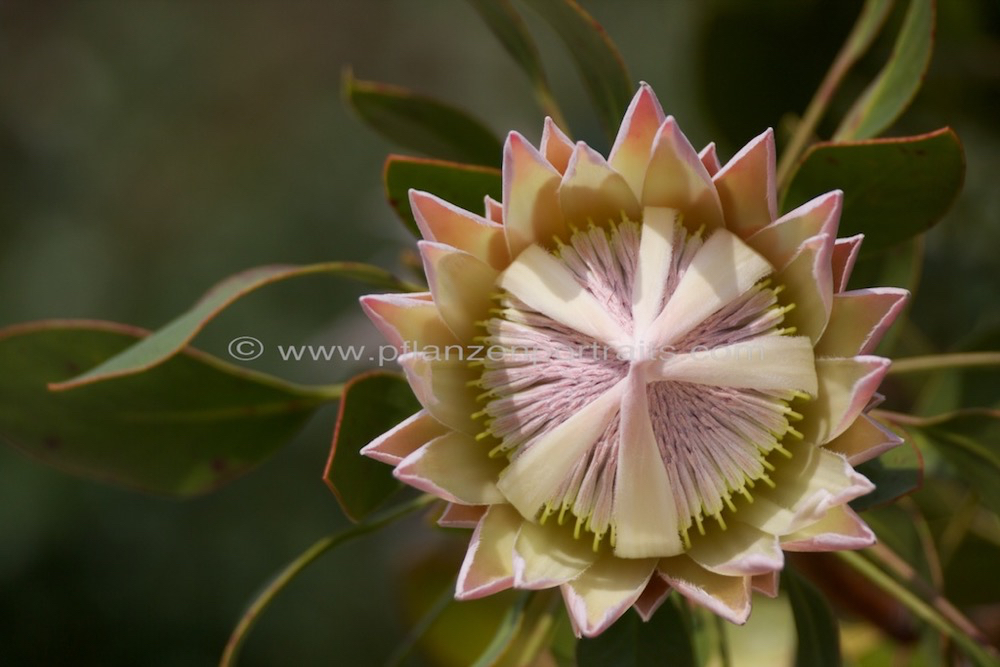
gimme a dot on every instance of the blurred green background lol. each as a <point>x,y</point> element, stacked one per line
<point>150,148</point>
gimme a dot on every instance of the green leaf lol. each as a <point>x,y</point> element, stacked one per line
<point>816,626</point>
<point>970,441</point>
<point>867,28</point>
<point>600,64</point>
<point>421,123</point>
<point>632,643</point>
<point>463,185</point>
<point>893,189</point>
<point>510,30</point>
<point>171,339</point>
<point>507,631</point>
<point>184,428</point>
<point>898,82</point>
<point>371,405</point>
<point>898,472</point>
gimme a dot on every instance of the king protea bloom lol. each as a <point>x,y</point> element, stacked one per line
<point>635,377</point>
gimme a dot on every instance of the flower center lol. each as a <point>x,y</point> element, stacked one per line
<point>639,380</point>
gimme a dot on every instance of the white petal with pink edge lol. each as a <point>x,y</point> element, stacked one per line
<point>442,387</point>
<point>676,178</point>
<point>738,550</point>
<point>408,321</point>
<point>859,319</point>
<point>780,241</point>
<point>402,440</point>
<point>630,153</point>
<point>461,284</point>
<point>592,192</point>
<point>710,158</point>
<point>766,584</point>
<point>461,516</point>
<point>864,440</point>
<point>455,467</point>
<point>840,529</point>
<point>653,596</point>
<point>555,146</point>
<point>489,562</point>
<point>808,284</point>
<point>806,487</point>
<point>845,387</point>
<point>605,591</point>
<point>446,223</point>
<point>845,254</point>
<point>530,196</point>
<point>727,596</point>
<point>547,556</point>
<point>746,186</point>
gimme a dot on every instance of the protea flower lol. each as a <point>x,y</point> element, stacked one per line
<point>635,378</point>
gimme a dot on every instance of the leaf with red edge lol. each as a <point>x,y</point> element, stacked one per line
<point>182,428</point>
<point>464,185</point>
<point>421,123</point>
<point>894,189</point>
<point>160,346</point>
<point>371,405</point>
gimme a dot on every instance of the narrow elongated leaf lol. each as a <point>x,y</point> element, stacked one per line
<point>898,82</point>
<point>508,630</point>
<point>970,441</point>
<point>463,185</point>
<point>898,472</point>
<point>867,28</point>
<point>171,339</point>
<point>183,428</point>
<point>596,56</point>
<point>632,643</point>
<point>816,626</point>
<point>893,189</point>
<point>511,32</point>
<point>421,123</point>
<point>371,405</point>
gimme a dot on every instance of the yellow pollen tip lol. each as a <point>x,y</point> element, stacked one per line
<point>767,480</point>
<point>777,290</point>
<point>701,526</point>
<point>562,514</point>
<point>718,519</point>
<point>801,394</point>
<point>792,414</point>
<point>795,433</point>
<point>729,502</point>
<point>496,452</point>
<point>784,452</point>
<point>767,464</point>
<point>746,494</point>
<point>576,528</point>
<point>685,538</point>
<point>597,541</point>
<point>546,513</point>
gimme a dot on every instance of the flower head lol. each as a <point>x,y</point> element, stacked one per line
<point>634,377</point>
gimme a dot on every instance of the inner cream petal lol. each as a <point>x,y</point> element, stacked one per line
<point>542,282</point>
